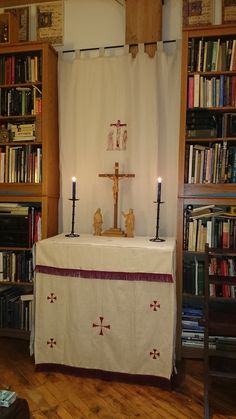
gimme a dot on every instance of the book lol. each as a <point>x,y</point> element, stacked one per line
<point>206,211</point>
<point>7,397</point>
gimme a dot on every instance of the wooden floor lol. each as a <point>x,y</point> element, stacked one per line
<point>57,395</point>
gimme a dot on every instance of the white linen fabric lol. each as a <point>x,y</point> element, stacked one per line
<point>94,92</point>
<point>125,326</point>
<point>111,254</point>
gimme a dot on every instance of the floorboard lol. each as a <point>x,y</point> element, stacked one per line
<point>62,396</point>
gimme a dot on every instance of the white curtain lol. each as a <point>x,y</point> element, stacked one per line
<point>95,91</point>
<point>169,99</point>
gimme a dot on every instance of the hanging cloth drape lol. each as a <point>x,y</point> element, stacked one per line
<point>94,93</point>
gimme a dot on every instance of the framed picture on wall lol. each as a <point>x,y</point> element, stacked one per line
<point>197,13</point>
<point>228,11</point>
<point>50,22</point>
<point>22,14</point>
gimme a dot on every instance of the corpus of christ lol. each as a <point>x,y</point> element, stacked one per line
<point>115,178</point>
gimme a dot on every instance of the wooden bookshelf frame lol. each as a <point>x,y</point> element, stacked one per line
<point>46,193</point>
<point>195,194</point>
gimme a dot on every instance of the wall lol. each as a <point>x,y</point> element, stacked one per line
<point>98,23</point>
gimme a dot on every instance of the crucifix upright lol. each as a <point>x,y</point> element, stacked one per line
<point>115,177</point>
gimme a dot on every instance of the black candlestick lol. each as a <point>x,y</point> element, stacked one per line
<point>72,234</point>
<point>157,238</point>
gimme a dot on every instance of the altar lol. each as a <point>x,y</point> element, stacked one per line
<point>106,304</point>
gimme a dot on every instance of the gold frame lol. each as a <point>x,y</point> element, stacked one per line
<point>228,11</point>
<point>197,13</point>
<point>50,22</point>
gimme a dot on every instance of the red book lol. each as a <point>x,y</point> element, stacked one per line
<point>190,92</point>
<point>225,234</point>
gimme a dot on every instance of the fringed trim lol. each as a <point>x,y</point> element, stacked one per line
<point>123,276</point>
<point>163,382</point>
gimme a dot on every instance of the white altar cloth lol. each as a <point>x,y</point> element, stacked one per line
<point>106,303</point>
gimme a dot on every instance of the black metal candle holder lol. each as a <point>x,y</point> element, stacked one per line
<point>72,233</point>
<point>157,238</point>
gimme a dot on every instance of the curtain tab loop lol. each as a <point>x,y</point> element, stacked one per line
<point>101,52</point>
<point>77,54</point>
<point>160,46</point>
<point>141,48</point>
<point>126,49</point>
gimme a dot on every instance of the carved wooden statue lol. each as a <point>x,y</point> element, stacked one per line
<point>129,222</point>
<point>97,222</point>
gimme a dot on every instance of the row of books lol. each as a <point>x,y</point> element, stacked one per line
<point>205,92</point>
<point>193,333</point>
<point>20,225</point>
<point>16,309</point>
<point>195,339</point>
<point>215,227</point>
<point>223,291</point>
<point>16,266</point>
<point>21,131</point>
<point>217,54</point>
<point>20,101</point>
<point>223,266</point>
<point>18,131</point>
<point>210,164</point>
<point>193,278</point>
<point>204,124</point>
<point>194,273</point>
<point>20,69</point>
<point>190,321</point>
<point>21,164</point>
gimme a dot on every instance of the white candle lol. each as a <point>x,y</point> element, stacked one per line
<point>159,180</point>
<point>73,188</point>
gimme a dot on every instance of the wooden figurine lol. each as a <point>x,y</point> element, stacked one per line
<point>129,222</point>
<point>97,222</point>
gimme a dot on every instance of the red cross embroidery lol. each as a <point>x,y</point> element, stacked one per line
<point>51,342</point>
<point>154,354</point>
<point>51,297</point>
<point>101,326</point>
<point>155,305</point>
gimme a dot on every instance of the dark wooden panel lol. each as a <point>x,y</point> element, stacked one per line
<point>143,21</point>
<point>12,3</point>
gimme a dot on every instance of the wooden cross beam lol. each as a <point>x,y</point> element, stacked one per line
<point>115,177</point>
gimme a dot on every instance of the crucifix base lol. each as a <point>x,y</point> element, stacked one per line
<point>114,232</point>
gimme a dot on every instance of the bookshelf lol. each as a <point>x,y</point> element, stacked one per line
<point>207,166</point>
<point>219,318</point>
<point>29,173</point>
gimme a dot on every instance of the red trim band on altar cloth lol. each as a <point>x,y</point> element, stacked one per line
<point>123,276</point>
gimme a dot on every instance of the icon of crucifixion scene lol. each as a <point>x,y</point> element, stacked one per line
<point>115,178</point>
<point>117,136</point>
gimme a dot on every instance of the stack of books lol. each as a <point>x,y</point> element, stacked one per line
<point>7,397</point>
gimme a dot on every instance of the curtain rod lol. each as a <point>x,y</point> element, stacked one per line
<point>115,46</point>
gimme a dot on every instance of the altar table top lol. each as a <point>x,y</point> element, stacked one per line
<point>102,254</point>
<point>106,304</point>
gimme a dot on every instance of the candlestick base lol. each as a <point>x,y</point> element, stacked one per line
<point>157,239</point>
<point>72,235</point>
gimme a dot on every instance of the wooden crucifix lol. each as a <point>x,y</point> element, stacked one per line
<point>115,177</point>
